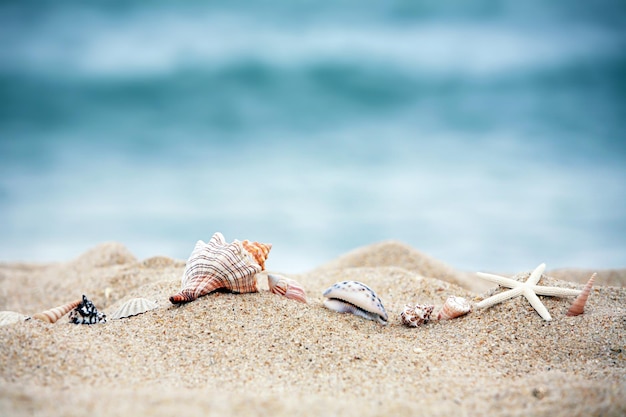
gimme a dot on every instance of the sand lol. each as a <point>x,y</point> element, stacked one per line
<point>262,354</point>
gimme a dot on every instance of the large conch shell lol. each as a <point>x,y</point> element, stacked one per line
<point>578,306</point>
<point>54,314</point>
<point>286,287</point>
<point>218,265</point>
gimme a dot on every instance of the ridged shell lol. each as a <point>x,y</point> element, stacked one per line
<point>417,315</point>
<point>217,265</point>
<point>454,307</point>
<point>134,307</point>
<point>286,287</point>
<point>54,314</point>
<point>11,317</point>
<point>356,298</point>
<point>578,306</point>
<point>86,313</point>
<point>259,251</point>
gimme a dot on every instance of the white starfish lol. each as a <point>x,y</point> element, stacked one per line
<point>528,289</point>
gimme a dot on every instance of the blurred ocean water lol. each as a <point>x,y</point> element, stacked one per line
<point>490,135</point>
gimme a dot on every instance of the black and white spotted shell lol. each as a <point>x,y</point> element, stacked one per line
<point>86,313</point>
<point>356,298</point>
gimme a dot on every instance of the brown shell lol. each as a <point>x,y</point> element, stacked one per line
<point>54,314</point>
<point>217,265</point>
<point>417,315</point>
<point>578,306</point>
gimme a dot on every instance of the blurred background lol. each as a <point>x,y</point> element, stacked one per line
<point>488,134</point>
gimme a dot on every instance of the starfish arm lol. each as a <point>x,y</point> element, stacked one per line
<point>535,276</point>
<point>537,304</point>
<point>555,291</point>
<point>505,282</point>
<point>498,298</point>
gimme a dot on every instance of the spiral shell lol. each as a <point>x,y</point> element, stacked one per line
<point>578,306</point>
<point>454,307</point>
<point>219,265</point>
<point>86,313</point>
<point>414,316</point>
<point>11,317</point>
<point>286,287</point>
<point>259,251</point>
<point>134,307</point>
<point>54,314</point>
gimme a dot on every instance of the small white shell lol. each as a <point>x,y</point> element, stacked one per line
<point>454,307</point>
<point>11,317</point>
<point>356,298</point>
<point>417,315</point>
<point>134,307</point>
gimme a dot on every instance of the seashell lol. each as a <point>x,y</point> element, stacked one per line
<point>86,313</point>
<point>356,298</point>
<point>54,314</point>
<point>217,265</point>
<point>259,251</point>
<point>578,306</point>
<point>11,317</point>
<point>416,316</point>
<point>454,307</point>
<point>134,307</point>
<point>286,287</point>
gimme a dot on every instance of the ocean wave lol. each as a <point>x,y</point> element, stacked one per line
<point>152,43</point>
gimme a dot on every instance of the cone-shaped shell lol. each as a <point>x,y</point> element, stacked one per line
<point>134,307</point>
<point>11,317</point>
<point>54,314</point>
<point>578,306</point>
<point>356,298</point>
<point>417,315</point>
<point>259,251</point>
<point>454,307</point>
<point>286,287</point>
<point>217,265</point>
<point>87,313</point>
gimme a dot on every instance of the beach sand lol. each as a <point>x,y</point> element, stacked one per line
<point>263,354</point>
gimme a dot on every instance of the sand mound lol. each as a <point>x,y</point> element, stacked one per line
<point>614,277</point>
<point>261,353</point>
<point>393,253</point>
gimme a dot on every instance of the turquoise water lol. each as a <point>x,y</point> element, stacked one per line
<point>491,136</point>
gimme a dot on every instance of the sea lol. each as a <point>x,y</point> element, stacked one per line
<point>488,134</point>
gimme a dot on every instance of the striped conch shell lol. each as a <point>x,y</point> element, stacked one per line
<point>454,307</point>
<point>417,315</point>
<point>134,307</point>
<point>356,298</point>
<point>54,314</point>
<point>286,287</point>
<point>258,250</point>
<point>578,306</point>
<point>218,265</point>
